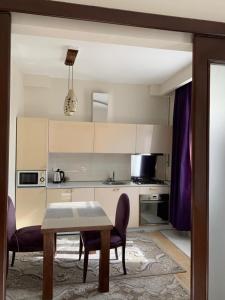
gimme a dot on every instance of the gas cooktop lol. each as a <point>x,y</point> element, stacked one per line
<point>147,181</point>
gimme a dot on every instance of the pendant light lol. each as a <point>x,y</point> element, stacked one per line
<point>71,102</point>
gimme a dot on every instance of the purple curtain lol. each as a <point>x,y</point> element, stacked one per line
<point>180,200</point>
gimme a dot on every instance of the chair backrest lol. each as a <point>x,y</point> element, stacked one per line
<point>122,215</point>
<point>11,219</point>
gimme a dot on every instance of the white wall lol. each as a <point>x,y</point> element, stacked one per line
<point>16,109</point>
<point>127,103</point>
<point>216,183</point>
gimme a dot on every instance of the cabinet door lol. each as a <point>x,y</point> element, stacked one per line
<point>133,194</point>
<point>108,198</point>
<point>83,194</point>
<point>144,138</point>
<point>30,206</point>
<point>161,139</point>
<point>59,195</point>
<point>32,144</point>
<point>71,137</point>
<point>114,138</point>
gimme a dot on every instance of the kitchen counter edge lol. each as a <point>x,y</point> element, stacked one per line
<point>98,184</point>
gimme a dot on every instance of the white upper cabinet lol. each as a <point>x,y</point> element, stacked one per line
<point>161,139</point>
<point>114,138</point>
<point>144,138</point>
<point>32,143</point>
<point>71,137</point>
<point>153,139</point>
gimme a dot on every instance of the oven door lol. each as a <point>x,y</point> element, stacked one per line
<point>154,212</point>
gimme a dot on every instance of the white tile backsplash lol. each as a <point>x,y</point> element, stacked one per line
<point>98,167</point>
<point>91,167</point>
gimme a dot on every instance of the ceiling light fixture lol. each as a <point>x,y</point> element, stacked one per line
<point>71,103</point>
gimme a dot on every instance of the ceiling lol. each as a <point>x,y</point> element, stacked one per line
<point>205,9</point>
<point>97,61</point>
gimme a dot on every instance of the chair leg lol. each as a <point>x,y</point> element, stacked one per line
<point>116,254</point>
<point>80,248</point>
<point>123,259</point>
<point>13,258</point>
<point>86,254</point>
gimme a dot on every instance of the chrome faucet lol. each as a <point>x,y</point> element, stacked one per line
<point>113,178</point>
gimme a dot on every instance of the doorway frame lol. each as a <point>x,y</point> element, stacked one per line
<point>200,114</point>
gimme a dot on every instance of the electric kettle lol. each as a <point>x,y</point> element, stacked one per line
<point>58,176</point>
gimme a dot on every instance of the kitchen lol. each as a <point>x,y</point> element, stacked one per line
<point>89,150</point>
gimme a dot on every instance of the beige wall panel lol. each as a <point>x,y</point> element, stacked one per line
<point>114,138</point>
<point>32,143</point>
<point>71,137</point>
<point>83,194</point>
<point>59,195</point>
<point>30,206</point>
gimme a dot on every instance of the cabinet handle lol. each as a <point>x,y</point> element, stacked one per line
<point>116,190</point>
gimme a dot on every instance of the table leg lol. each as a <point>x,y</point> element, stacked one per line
<point>104,262</point>
<point>49,241</point>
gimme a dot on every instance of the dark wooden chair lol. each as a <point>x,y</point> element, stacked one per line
<point>26,239</point>
<point>91,239</point>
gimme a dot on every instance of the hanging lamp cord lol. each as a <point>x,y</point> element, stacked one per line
<point>72,77</point>
<point>69,78</point>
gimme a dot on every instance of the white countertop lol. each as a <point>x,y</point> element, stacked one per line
<point>96,184</point>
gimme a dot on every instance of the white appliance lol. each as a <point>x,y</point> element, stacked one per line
<point>31,178</point>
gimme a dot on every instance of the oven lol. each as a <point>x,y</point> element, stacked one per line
<point>31,178</point>
<point>154,209</point>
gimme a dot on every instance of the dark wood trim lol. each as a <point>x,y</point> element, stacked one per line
<point>5,40</point>
<point>203,48</point>
<point>206,50</point>
<point>112,16</point>
<point>70,57</point>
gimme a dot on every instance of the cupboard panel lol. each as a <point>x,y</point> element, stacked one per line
<point>71,137</point>
<point>32,143</point>
<point>108,198</point>
<point>59,195</point>
<point>30,206</point>
<point>114,138</point>
<point>83,194</point>
<point>144,138</point>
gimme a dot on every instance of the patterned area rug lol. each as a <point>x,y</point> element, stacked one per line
<point>147,266</point>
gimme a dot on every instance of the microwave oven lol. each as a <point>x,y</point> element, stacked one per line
<point>31,178</point>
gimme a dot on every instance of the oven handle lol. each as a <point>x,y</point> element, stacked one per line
<point>152,201</point>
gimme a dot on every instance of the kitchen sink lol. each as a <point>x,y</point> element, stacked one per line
<point>115,182</point>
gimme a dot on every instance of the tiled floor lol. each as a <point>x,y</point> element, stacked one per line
<point>181,239</point>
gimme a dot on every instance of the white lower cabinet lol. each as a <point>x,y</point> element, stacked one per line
<point>108,198</point>
<point>30,206</point>
<point>83,194</point>
<point>59,195</point>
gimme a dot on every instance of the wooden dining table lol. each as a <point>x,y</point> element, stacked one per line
<point>73,217</point>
